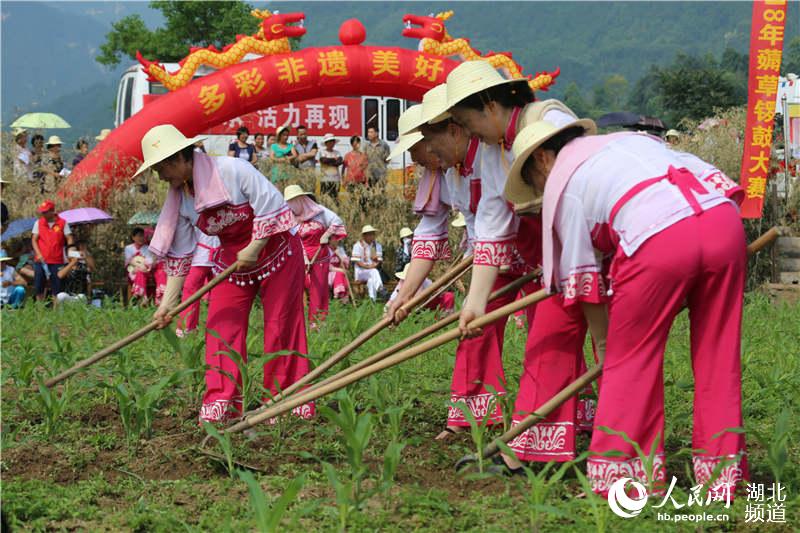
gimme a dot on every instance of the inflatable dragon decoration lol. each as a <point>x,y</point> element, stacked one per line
<point>435,40</point>
<point>273,36</point>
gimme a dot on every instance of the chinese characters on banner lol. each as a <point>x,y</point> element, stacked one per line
<point>340,116</point>
<point>766,45</point>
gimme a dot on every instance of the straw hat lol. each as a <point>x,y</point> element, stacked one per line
<point>328,137</point>
<point>472,77</point>
<point>286,126</point>
<point>402,275</point>
<point>528,140</point>
<point>672,133</point>
<point>406,232</point>
<point>105,132</point>
<point>434,105</point>
<point>368,229</point>
<point>459,221</point>
<point>404,142</point>
<point>293,191</point>
<point>53,140</point>
<point>410,120</point>
<point>160,142</point>
<point>18,131</point>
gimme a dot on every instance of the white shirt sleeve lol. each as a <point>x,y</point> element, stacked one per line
<point>334,224</point>
<point>35,228</point>
<point>179,257</point>
<point>67,229</point>
<point>495,223</point>
<point>358,252</point>
<point>579,268</point>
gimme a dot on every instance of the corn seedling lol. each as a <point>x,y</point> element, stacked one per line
<point>268,518</point>
<point>224,440</point>
<point>540,486</point>
<point>505,402</point>
<point>52,405</point>
<point>777,445</point>
<point>599,506</point>
<point>138,403</point>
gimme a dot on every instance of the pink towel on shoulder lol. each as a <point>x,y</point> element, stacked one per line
<point>209,191</point>
<point>569,159</point>
<point>428,193</point>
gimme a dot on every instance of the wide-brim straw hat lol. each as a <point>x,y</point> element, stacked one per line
<point>328,137</point>
<point>672,133</point>
<point>471,77</point>
<point>406,232</point>
<point>287,126</point>
<point>16,132</point>
<point>368,229</point>
<point>529,139</point>
<point>434,105</point>
<point>161,142</point>
<point>54,140</point>
<point>459,221</point>
<point>294,191</point>
<point>404,143</point>
<point>403,273</point>
<point>410,120</point>
<point>105,132</point>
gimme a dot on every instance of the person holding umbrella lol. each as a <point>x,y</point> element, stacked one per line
<point>229,198</point>
<point>318,225</point>
<point>51,234</point>
<point>22,156</point>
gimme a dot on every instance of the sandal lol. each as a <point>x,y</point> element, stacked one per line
<point>500,467</point>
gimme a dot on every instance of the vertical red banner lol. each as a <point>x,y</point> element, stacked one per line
<point>766,46</point>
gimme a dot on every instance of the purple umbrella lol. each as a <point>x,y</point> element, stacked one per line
<point>85,215</point>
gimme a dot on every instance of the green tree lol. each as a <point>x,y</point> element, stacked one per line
<point>187,24</point>
<point>694,87</point>
<point>575,100</point>
<point>611,95</point>
<point>645,98</point>
<point>791,57</point>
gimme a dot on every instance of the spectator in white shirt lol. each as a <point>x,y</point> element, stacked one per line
<point>367,257</point>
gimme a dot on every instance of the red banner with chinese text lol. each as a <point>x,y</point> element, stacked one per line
<point>340,116</point>
<point>766,46</point>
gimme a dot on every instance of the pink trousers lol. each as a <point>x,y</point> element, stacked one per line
<point>479,365</point>
<point>553,359</point>
<point>700,260</point>
<point>318,291</point>
<point>284,330</point>
<point>338,281</point>
<point>138,282</point>
<point>197,277</point>
<point>160,277</point>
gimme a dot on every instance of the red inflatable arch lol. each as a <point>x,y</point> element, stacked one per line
<point>347,70</point>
